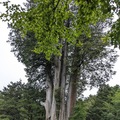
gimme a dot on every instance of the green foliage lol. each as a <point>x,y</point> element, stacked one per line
<point>47,19</point>
<point>10,105</point>
<point>115,36</point>
<point>91,50</point>
<point>113,109</point>
<point>79,111</point>
<point>93,59</point>
<point>103,107</point>
<point>21,102</point>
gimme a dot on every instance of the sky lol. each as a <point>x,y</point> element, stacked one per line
<point>12,70</point>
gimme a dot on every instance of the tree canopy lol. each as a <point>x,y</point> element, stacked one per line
<point>48,20</point>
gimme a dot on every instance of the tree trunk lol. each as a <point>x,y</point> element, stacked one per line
<point>63,83</point>
<point>72,91</point>
<point>47,103</point>
<point>55,104</point>
<point>72,94</point>
<point>56,90</point>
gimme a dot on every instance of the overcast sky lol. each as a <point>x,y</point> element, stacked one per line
<point>12,70</point>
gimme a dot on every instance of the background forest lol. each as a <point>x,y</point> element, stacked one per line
<point>22,102</point>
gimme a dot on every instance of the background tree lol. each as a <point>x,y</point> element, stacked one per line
<point>102,104</point>
<point>21,102</point>
<point>11,97</point>
<point>79,111</point>
<point>113,107</point>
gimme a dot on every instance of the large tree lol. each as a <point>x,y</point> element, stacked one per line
<point>59,26</point>
<point>89,60</point>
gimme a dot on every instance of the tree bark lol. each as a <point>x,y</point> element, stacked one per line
<point>72,91</point>
<point>48,98</point>
<point>62,112</point>
<point>56,89</point>
<point>47,103</point>
<point>72,94</point>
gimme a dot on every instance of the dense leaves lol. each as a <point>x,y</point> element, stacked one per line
<point>102,106</point>
<point>98,110</point>
<point>21,102</point>
<point>79,111</point>
<point>48,18</point>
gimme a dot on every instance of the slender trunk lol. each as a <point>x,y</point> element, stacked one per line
<point>63,82</point>
<point>72,91</point>
<point>47,103</point>
<point>48,98</point>
<point>72,94</point>
<point>56,90</point>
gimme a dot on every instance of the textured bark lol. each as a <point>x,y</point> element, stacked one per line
<point>53,109</point>
<point>72,91</point>
<point>59,112</point>
<point>56,92</point>
<point>56,86</point>
<point>48,98</point>
<point>63,83</point>
<point>47,103</point>
<point>72,94</point>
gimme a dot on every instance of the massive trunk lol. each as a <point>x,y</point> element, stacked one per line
<point>56,95</point>
<point>58,106</point>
